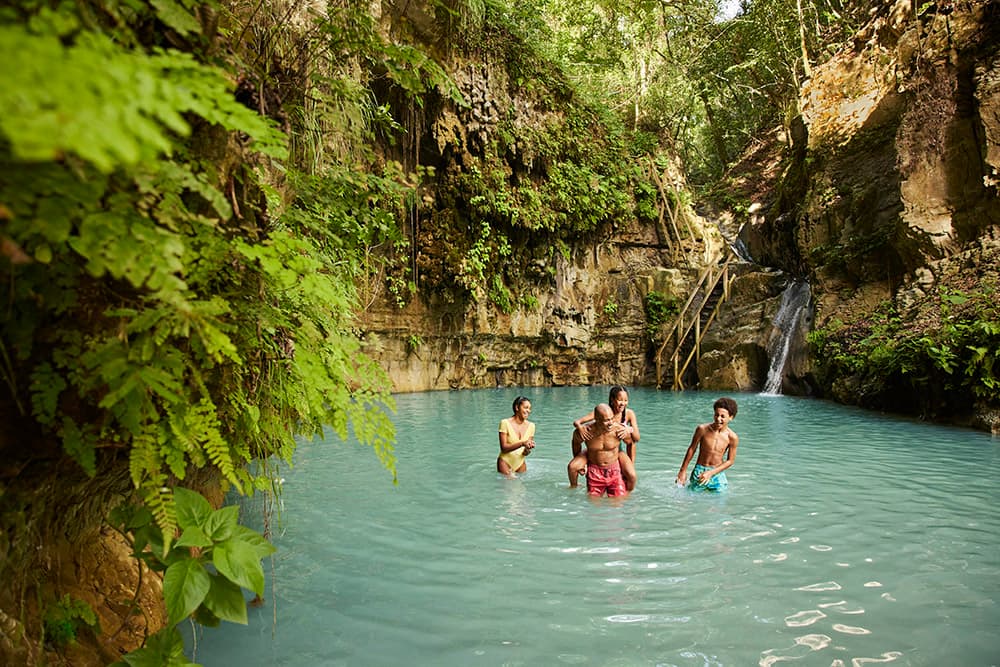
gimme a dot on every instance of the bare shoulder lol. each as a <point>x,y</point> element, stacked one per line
<point>734,439</point>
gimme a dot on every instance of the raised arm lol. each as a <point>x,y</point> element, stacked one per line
<point>634,424</point>
<point>582,423</point>
<point>581,432</point>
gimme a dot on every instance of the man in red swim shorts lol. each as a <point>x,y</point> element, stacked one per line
<point>604,474</point>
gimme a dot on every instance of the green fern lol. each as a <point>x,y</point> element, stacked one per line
<point>144,458</point>
<point>46,386</point>
<point>159,499</point>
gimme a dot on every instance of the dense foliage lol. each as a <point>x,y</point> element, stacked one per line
<point>179,288</point>
<point>709,75</point>
<point>552,168</point>
<point>942,354</point>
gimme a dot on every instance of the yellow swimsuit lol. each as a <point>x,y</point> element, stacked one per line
<point>515,458</point>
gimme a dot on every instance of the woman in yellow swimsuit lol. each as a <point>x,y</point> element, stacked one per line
<point>517,439</point>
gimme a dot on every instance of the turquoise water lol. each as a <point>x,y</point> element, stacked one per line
<point>846,538</point>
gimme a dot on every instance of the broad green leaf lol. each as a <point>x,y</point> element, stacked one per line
<point>176,16</point>
<point>225,600</point>
<point>222,522</point>
<point>204,616</point>
<point>239,562</point>
<point>255,540</point>
<point>163,649</point>
<point>192,508</point>
<point>185,585</point>
<point>194,537</point>
<point>142,517</point>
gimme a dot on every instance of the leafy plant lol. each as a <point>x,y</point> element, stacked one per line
<point>65,619</point>
<point>659,308</point>
<point>205,568</point>
<point>179,289</point>
<point>945,357</point>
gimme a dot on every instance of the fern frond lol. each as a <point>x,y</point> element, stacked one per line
<point>144,459</point>
<point>159,500</point>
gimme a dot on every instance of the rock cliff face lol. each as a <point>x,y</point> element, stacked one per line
<point>891,180</point>
<point>886,184</point>
<point>588,327</point>
<point>576,310</point>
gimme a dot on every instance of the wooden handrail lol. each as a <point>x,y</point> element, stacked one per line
<point>679,373</point>
<point>710,283</point>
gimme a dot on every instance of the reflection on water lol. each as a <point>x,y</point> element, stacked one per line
<point>845,539</point>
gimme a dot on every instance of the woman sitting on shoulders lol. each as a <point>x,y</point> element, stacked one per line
<point>517,439</point>
<point>627,431</point>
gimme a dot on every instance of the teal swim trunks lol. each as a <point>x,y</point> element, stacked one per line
<point>717,483</point>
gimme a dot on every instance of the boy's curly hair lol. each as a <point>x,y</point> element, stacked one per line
<point>727,403</point>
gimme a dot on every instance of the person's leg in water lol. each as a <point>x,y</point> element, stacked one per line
<point>628,471</point>
<point>504,468</point>
<point>578,465</point>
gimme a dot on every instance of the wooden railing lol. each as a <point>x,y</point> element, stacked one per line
<point>690,318</point>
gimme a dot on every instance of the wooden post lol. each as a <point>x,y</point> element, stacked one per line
<point>697,338</point>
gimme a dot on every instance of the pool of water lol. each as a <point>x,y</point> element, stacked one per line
<point>846,538</point>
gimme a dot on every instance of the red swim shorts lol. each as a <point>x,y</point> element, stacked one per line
<point>601,480</point>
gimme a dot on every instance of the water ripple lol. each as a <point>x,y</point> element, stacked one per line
<point>458,567</point>
<point>825,586</point>
<point>850,630</point>
<point>804,618</point>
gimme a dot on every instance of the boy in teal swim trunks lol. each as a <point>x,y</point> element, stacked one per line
<point>716,445</point>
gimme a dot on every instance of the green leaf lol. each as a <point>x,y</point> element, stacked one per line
<point>204,616</point>
<point>46,385</point>
<point>164,649</point>
<point>194,537</point>
<point>239,562</point>
<point>176,16</point>
<point>225,600</point>
<point>80,446</point>
<point>221,524</point>
<point>254,540</point>
<point>185,585</point>
<point>193,510</point>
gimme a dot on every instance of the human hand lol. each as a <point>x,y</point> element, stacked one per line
<point>621,431</point>
<point>585,432</point>
<point>705,476</point>
<point>682,479</point>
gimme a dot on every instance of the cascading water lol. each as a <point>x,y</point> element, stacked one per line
<point>794,305</point>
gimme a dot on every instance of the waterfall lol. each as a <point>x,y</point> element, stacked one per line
<point>794,304</point>
<point>741,249</point>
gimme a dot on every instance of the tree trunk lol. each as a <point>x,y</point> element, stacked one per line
<point>806,67</point>
<point>717,139</point>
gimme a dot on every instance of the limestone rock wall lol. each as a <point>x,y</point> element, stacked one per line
<point>588,328</point>
<point>899,143</point>
<point>892,174</point>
